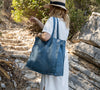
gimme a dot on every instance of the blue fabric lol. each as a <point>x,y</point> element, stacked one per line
<point>48,57</point>
<point>57,3</point>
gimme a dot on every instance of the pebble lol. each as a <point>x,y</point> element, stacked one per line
<point>28,88</point>
<point>15,83</point>
<point>21,65</point>
<point>30,76</point>
<point>3,85</point>
<point>16,60</point>
<point>7,60</point>
<point>0,78</point>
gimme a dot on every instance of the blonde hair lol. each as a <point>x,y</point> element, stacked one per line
<point>60,13</point>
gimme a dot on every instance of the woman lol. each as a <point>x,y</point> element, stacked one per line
<point>58,10</point>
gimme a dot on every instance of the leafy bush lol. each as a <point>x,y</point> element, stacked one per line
<point>26,8</point>
<point>77,17</point>
<point>1,2</point>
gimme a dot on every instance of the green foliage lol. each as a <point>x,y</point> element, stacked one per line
<point>27,8</point>
<point>79,12</point>
<point>98,1</point>
<point>1,2</point>
<point>77,17</point>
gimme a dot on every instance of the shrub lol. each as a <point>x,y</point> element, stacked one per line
<point>77,17</point>
<point>1,2</point>
<point>26,8</point>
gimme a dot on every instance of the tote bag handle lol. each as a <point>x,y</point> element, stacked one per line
<point>57,29</point>
<point>54,27</point>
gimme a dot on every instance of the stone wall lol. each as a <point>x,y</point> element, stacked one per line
<point>84,56</point>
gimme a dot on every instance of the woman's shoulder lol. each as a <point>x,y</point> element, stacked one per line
<point>49,20</point>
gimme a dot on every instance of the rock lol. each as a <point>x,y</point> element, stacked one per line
<point>30,75</point>
<point>3,85</point>
<point>0,79</point>
<point>90,33</point>
<point>88,52</point>
<point>24,48</point>
<point>81,77</point>
<point>33,85</point>
<point>1,48</point>
<point>70,88</point>
<point>2,25</point>
<point>84,56</point>
<point>28,88</point>
<point>19,56</point>
<point>15,84</point>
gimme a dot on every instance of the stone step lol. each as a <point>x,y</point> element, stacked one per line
<point>10,40</point>
<point>11,33</point>
<point>13,44</point>
<point>16,37</point>
<point>17,41</point>
<point>22,57</point>
<point>18,52</point>
<point>30,44</point>
<point>4,55</point>
<point>20,48</point>
<point>15,30</point>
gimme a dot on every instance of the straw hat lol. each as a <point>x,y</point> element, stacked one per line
<point>58,3</point>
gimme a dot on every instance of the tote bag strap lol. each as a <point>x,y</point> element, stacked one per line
<point>53,27</point>
<point>57,29</point>
<point>57,24</point>
<point>54,22</point>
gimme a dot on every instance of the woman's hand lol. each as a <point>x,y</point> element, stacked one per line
<point>39,35</point>
<point>37,21</point>
<point>44,36</point>
<point>33,19</point>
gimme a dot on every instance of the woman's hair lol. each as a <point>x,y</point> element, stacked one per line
<point>60,13</point>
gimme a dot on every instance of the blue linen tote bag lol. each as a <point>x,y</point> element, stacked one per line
<point>48,57</point>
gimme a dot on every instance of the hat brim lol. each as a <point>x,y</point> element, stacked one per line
<point>48,6</point>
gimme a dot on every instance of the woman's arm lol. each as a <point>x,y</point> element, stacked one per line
<point>44,35</point>
<point>40,24</point>
<point>37,21</point>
